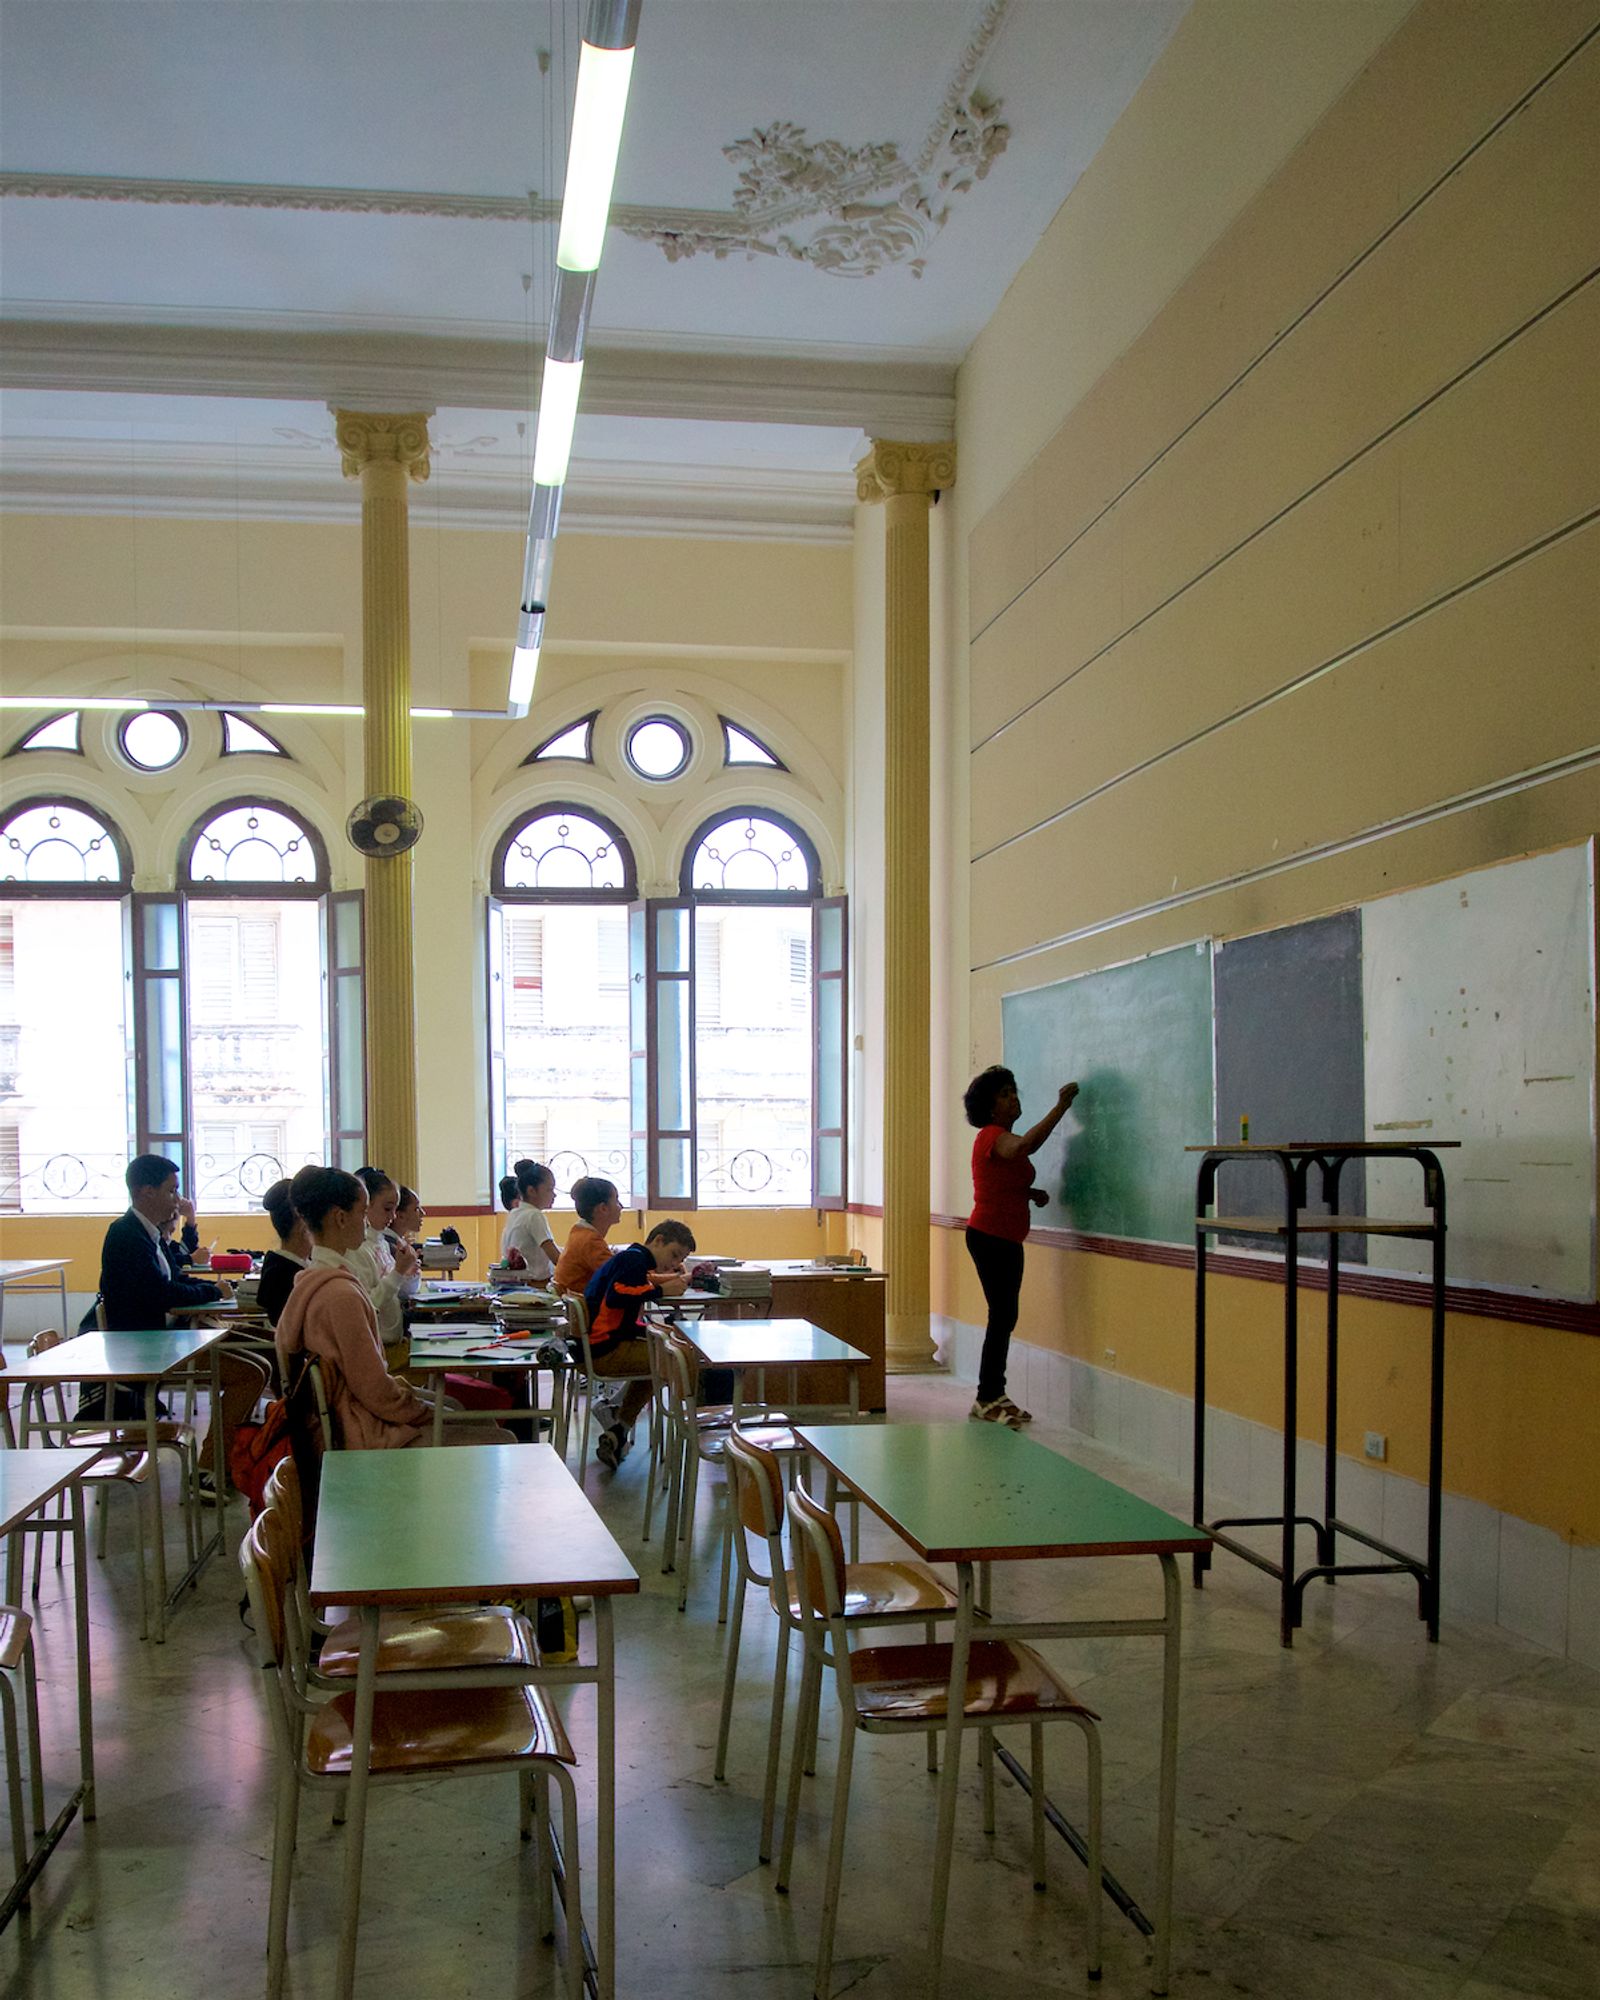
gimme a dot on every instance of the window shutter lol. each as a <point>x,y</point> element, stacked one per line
<point>212,943</point>
<point>708,971</point>
<point>258,965</point>
<point>525,948</point>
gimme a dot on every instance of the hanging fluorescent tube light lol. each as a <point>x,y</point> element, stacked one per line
<point>116,702</point>
<point>597,112</point>
<point>311,708</point>
<point>605,70</point>
<point>558,413</point>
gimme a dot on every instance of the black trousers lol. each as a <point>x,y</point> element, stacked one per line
<point>999,1263</point>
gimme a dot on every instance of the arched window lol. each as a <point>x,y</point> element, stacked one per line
<point>247,739</point>
<point>748,855</point>
<point>254,844</point>
<point>58,843</point>
<point>269,971</point>
<point>560,851</point>
<point>560,1020</point>
<point>767,974</point>
<point>64,1040</point>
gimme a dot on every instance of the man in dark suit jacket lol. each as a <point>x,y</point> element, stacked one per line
<point>138,1285</point>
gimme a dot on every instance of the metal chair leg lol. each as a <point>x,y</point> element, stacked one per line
<point>284,1832</point>
<point>830,1896</point>
<point>30,1696</point>
<point>1036,1779</point>
<point>810,1682</point>
<point>986,1772</point>
<point>730,1673</point>
<point>769,1790</point>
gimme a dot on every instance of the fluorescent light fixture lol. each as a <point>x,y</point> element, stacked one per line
<point>312,708</point>
<point>114,702</point>
<point>558,412</point>
<point>524,670</point>
<point>433,714</point>
<point>597,113</point>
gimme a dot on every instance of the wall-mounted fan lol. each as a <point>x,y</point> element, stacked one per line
<point>382,827</point>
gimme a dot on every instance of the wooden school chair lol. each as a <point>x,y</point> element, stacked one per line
<point>444,1640</point>
<point>121,1466</point>
<point>699,1438</point>
<point>875,1593</point>
<point>17,1664</point>
<point>450,1732</point>
<point>901,1690</point>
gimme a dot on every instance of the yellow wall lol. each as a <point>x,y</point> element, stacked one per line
<point>752,1232</point>
<point>759,631</point>
<point>1297,605</point>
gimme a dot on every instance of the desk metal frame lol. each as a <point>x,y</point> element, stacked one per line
<point>368,1594</point>
<point>1296,1163</point>
<point>17,1272</point>
<point>1156,1534</point>
<point>146,1358</point>
<point>42,1473</point>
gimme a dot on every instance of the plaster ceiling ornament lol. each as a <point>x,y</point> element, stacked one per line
<point>810,200</point>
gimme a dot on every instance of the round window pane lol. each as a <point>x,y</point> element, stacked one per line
<point>658,748</point>
<point>153,739</point>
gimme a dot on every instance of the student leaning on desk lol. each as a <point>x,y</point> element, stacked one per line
<point>643,1274</point>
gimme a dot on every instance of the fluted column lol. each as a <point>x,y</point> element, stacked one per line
<point>385,453</point>
<point>905,477</point>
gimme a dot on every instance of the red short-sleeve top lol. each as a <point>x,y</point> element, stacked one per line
<point>999,1189</point>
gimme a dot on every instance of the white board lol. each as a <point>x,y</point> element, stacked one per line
<point>1478,997</point>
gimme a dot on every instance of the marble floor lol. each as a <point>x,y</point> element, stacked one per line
<point>1367,1817</point>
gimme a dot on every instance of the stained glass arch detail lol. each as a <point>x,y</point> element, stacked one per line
<point>252,843</point>
<point>744,855</point>
<point>564,851</point>
<point>63,844</point>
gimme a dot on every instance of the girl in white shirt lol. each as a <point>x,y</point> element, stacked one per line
<point>388,1275</point>
<point>526,1230</point>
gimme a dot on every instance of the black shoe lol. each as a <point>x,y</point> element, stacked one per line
<point>612,1447</point>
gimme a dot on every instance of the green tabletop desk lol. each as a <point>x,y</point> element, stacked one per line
<point>29,1480</point>
<point>759,1344</point>
<point>435,1527</point>
<point>976,1494</point>
<point>437,1351</point>
<point>23,1274</point>
<point>145,1359</point>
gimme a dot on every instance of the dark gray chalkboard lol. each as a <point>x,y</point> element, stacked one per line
<point>1290,1058</point>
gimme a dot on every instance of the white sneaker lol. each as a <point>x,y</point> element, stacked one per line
<point>998,1412</point>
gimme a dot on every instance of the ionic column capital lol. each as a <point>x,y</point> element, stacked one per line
<point>891,469</point>
<point>366,438</point>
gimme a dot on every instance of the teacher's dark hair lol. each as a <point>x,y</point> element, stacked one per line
<point>981,1095</point>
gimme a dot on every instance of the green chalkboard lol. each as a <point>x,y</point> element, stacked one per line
<point>1138,1039</point>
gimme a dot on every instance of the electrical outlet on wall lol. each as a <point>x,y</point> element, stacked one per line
<point>1376,1446</point>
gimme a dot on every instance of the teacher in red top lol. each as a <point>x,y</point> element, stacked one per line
<point>1002,1188</point>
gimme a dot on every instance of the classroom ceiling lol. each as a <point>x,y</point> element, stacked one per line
<point>257,207</point>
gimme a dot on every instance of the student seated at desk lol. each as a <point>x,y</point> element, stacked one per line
<point>282,1265</point>
<point>599,1211</point>
<point>526,1231</point>
<point>330,1317</point>
<point>390,1275</point>
<point>624,1285</point>
<point>139,1283</point>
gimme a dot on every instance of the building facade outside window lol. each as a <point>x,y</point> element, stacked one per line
<point>558,997</point>
<point>673,1045</point>
<point>66,1047</point>
<point>219,1023</point>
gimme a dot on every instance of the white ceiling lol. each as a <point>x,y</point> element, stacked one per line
<point>178,288</point>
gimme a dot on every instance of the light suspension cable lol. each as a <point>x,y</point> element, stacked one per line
<point>605,68</point>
